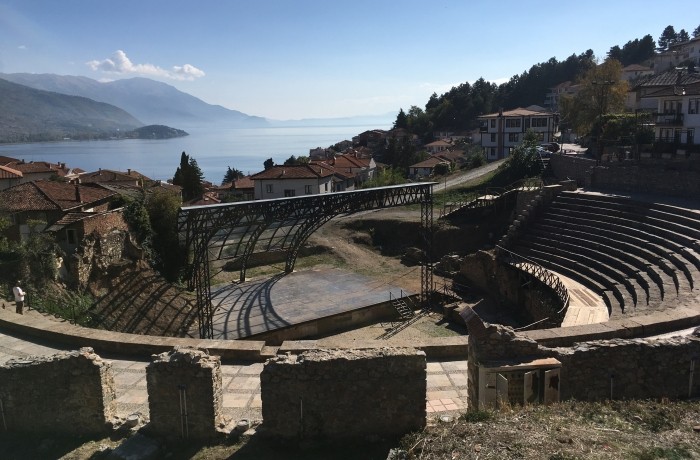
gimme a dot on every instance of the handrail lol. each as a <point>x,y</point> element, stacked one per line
<point>497,192</point>
<point>542,274</point>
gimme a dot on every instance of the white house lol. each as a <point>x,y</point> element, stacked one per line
<point>504,130</point>
<point>289,181</point>
<point>677,116</point>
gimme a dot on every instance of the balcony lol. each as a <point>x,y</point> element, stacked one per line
<point>668,119</point>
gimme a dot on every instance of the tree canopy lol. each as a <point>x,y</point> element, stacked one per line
<point>231,175</point>
<point>634,51</point>
<point>602,91</point>
<point>189,177</point>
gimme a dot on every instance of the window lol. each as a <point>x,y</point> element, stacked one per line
<point>690,136</point>
<point>325,187</point>
<point>307,190</point>
<point>694,106</point>
<point>289,192</point>
<point>493,123</point>
<point>513,122</point>
<point>539,122</point>
<point>673,107</point>
<point>493,137</point>
<point>513,137</point>
<point>268,188</point>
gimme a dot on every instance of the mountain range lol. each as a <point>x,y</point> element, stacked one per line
<point>30,115</point>
<point>150,101</point>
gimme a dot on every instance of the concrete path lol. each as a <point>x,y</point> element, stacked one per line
<point>585,306</point>
<point>446,381</point>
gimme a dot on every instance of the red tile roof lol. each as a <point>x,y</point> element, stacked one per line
<point>8,173</point>
<point>309,171</point>
<point>50,196</point>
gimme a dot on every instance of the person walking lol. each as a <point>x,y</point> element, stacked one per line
<point>19,297</point>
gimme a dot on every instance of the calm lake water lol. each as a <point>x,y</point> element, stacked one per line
<point>214,149</point>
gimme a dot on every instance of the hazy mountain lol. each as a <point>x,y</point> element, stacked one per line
<point>148,100</point>
<point>28,114</point>
<point>381,121</point>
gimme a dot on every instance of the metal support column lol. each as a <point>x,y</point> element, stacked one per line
<point>427,233</point>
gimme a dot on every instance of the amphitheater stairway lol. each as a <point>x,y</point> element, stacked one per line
<point>638,256</point>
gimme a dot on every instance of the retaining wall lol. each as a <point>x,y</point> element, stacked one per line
<point>344,393</point>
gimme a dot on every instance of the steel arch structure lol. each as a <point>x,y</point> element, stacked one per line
<point>236,231</point>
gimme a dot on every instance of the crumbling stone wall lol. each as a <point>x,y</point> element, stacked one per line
<point>68,393</point>
<point>184,394</point>
<point>625,369</point>
<point>335,394</point>
<point>597,370</point>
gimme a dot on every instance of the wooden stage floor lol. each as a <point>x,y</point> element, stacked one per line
<point>254,307</point>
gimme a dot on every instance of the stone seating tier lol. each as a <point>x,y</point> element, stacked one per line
<point>636,255</point>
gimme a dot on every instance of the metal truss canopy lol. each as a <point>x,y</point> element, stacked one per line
<point>234,232</point>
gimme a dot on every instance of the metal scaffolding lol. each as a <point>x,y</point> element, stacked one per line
<point>234,232</point>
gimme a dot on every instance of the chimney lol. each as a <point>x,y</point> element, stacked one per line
<point>77,194</point>
<point>128,171</point>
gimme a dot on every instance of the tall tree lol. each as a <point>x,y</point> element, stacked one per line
<point>668,37</point>
<point>269,163</point>
<point>401,120</point>
<point>190,177</point>
<point>602,91</point>
<point>696,32</point>
<point>231,175</point>
<point>683,36</point>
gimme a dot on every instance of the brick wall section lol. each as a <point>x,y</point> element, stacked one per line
<point>336,394</point>
<point>185,380</point>
<point>69,393</point>
<point>640,369</point>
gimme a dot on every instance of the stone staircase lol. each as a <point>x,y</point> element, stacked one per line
<point>638,256</point>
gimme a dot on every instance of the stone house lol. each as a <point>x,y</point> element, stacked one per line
<point>9,177</point>
<point>350,165</point>
<point>43,203</point>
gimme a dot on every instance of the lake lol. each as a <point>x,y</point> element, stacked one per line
<point>214,148</point>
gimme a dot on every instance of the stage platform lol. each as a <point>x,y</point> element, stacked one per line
<point>259,306</point>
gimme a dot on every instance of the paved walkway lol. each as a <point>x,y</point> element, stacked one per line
<point>446,381</point>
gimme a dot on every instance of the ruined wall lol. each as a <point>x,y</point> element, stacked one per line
<point>624,369</point>
<point>344,393</point>
<point>69,393</point>
<point>184,394</point>
<point>591,371</point>
<point>571,167</point>
<point>529,301</point>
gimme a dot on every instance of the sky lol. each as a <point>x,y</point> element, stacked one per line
<point>295,59</point>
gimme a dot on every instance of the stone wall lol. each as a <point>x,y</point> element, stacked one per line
<point>592,371</point>
<point>625,369</point>
<point>667,177</point>
<point>330,394</point>
<point>185,398</point>
<point>68,393</point>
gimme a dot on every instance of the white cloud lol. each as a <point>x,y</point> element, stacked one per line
<point>22,47</point>
<point>120,63</point>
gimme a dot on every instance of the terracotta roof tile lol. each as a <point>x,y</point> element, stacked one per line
<point>8,173</point>
<point>309,171</point>
<point>50,196</point>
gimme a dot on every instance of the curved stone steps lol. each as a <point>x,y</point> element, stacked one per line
<point>580,272</point>
<point>635,291</point>
<point>655,235</point>
<point>612,300</point>
<point>638,285</point>
<point>657,227</point>
<point>681,269</point>
<point>659,282</point>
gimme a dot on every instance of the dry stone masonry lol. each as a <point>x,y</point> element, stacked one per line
<point>184,394</point>
<point>68,393</point>
<point>336,394</point>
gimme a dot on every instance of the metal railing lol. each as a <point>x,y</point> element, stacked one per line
<point>537,271</point>
<point>489,196</point>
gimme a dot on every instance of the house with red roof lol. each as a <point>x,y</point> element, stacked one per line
<point>297,180</point>
<point>9,177</point>
<point>35,206</point>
